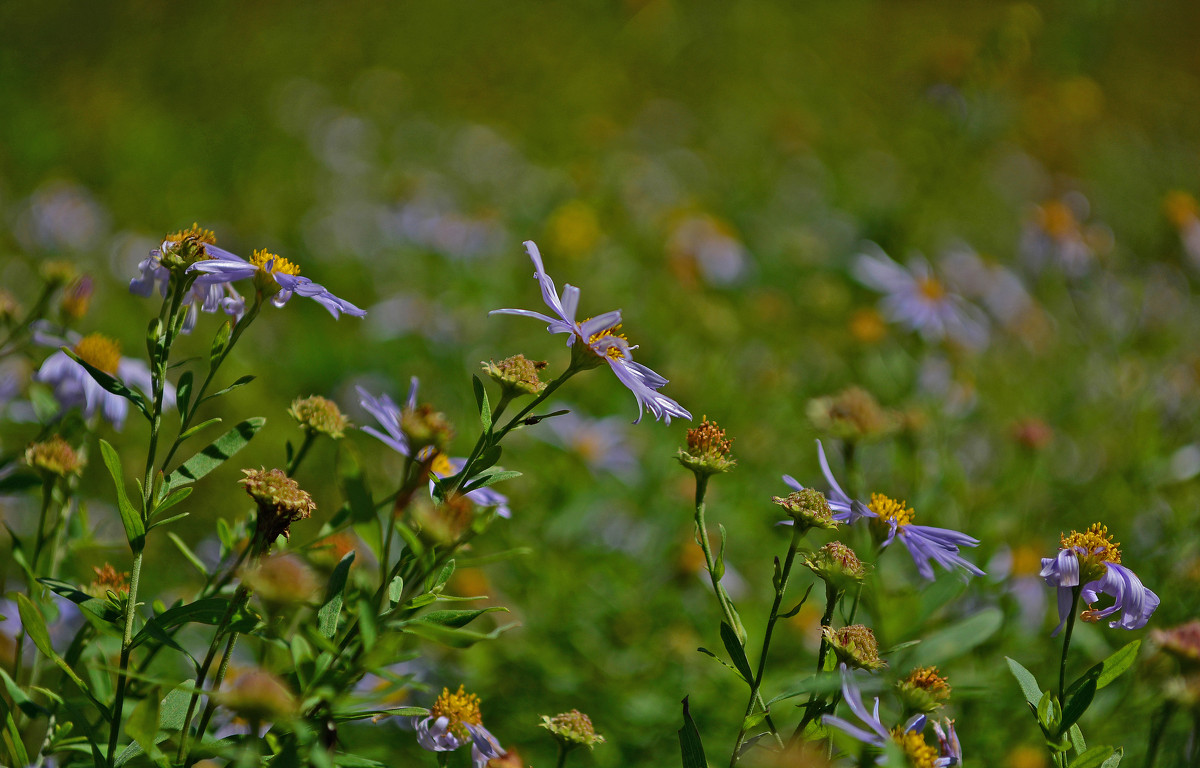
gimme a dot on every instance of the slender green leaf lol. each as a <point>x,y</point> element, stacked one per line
<point>481,400</point>
<point>199,427</point>
<point>1025,678</point>
<point>210,610</point>
<point>690,746</point>
<point>241,382</point>
<point>491,477</point>
<point>173,498</point>
<point>215,453</point>
<point>737,653</point>
<point>219,344</point>
<point>95,606</point>
<point>1092,758</point>
<point>13,740</point>
<point>395,590</point>
<point>1111,668</point>
<point>167,520</point>
<point>452,636</point>
<point>183,393</point>
<point>35,626</point>
<point>135,526</point>
<point>110,383</point>
<point>450,618</point>
<point>1077,742</point>
<point>1115,759</point>
<point>723,663</point>
<point>1076,705</point>
<point>188,554</point>
<point>27,705</point>
<point>331,609</point>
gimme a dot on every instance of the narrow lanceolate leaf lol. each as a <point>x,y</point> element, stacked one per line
<point>491,477</point>
<point>171,500</point>
<point>1111,668</point>
<point>1028,683</point>
<point>451,636</point>
<point>1092,758</point>
<point>449,618</point>
<point>331,609</point>
<point>135,526</point>
<point>736,652</point>
<point>183,393</point>
<point>690,746</point>
<point>35,626</point>
<point>215,453</point>
<point>111,384</point>
<point>241,382</point>
<point>1076,705</point>
<point>481,400</point>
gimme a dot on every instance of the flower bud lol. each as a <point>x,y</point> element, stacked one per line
<point>855,646</point>
<point>808,509</point>
<point>54,457</point>
<point>572,729</point>
<point>319,415</point>
<point>516,375</point>
<point>708,450</point>
<point>923,691</point>
<point>280,503</point>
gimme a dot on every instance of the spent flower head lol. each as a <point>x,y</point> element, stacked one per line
<point>836,565</point>
<point>319,415</point>
<point>108,579</point>
<point>280,502</point>
<point>572,729</point>
<point>54,456</point>
<point>808,508</point>
<point>708,450</point>
<point>516,375</point>
<point>924,690</point>
<point>853,415</point>
<point>855,646</point>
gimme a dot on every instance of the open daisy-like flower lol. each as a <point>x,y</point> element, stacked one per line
<point>908,736</point>
<point>891,519</point>
<point>1093,559</point>
<point>454,720</point>
<point>274,275</point>
<point>391,417</point>
<point>599,341</point>
<point>208,293</point>
<point>917,299</point>
<point>74,386</point>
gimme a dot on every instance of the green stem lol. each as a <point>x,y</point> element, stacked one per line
<point>39,307</point>
<point>1157,729</point>
<point>1062,666</point>
<point>781,587</point>
<point>309,438</point>
<point>211,705</point>
<point>562,756</point>
<point>813,706</point>
<point>202,672</point>
<point>126,647</point>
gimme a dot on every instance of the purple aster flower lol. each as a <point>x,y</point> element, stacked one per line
<point>948,744</point>
<point>1093,559</point>
<point>599,341</point>
<point>601,443</point>
<point>389,416</point>
<point>916,299</point>
<point>74,386</point>
<point>891,519</point>
<point>275,276</point>
<point>453,720</point>
<point>208,293</point>
<point>908,737</point>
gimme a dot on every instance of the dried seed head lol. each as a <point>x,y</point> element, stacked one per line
<point>280,502</point>
<point>855,646</point>
<point>516,375</point>
<point>852,415</point>
<point>808,508</point>
<point>108,579</point>
<point>54,456</point>
<point>572,729</point>
<point>924,690</point>
<point>708,450</point>
<point>319,415</point>
<point>836,565</point>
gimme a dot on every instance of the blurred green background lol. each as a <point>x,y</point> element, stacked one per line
<point>711,169</point>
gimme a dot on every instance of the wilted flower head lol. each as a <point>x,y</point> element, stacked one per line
<point>855,646</point>
<point>1093,559</point>
<point>837,565</point>
<point>319,415</point>
<point>54,456</point>
<point>853,415</point>
<point>274,277</point>
<point>1182,642</point>
<point>281,580</point>
<point>76,299</point>
<point>598,340</point>
<point>453,720</point>
<point>74,386</point>
<point>808,508</point>
<point>917,299</point>
<point>108,579</point>
<point>257,696</point>
<point>516,375</point>
<point>280,502</point>
<point>572,729</point>
<point>924,690</point>
<point>707,450</point>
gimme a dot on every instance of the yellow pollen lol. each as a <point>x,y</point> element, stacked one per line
<point>1095,541</point>
<point>615,351</point>
<point>931,289</point>
<point>195,232</point>
<point>441,465</point>
<point>99,351</point>
<point>262,258</point>
<point>458,708</point>
<point>919,754</point>
<point>888,509</point>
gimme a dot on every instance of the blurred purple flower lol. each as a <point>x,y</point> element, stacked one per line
<point>227,267</point>
<point>916,299</point>
<point>601,443</point>
<point>388,414</point>
<point>599,341</point>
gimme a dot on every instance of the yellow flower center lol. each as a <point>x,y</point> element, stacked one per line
<point>931,289</point>
<point>99,351</point>
<point>1095,542</point>
<point>441,465</point>
<point>194,232</point>
<point>919,754</point>
<point>615,351</point>
<point>262,259</point>
<point>1056,219</point>
<point>458,708</point>
<point>889,509</point>
<point>1181,208</point>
